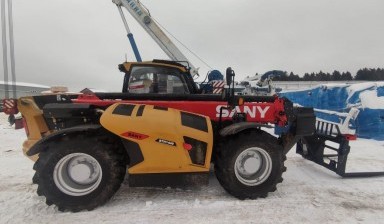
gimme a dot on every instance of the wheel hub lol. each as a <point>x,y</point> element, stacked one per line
<point>82,170</point>
<point>253,166</point>
<point>77,174</point>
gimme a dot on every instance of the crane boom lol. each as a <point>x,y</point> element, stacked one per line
<point>143,17</point>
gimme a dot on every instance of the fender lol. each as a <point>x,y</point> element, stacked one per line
<point>241,126</point>
<point>42,143</point>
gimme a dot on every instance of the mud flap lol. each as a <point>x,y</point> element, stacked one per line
<point>313,148</point>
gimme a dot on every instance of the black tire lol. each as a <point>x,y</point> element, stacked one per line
<point>58,187</point>
<point>263,178</point>
<point>11,119</point>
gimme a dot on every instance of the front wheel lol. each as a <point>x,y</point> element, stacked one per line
<point>78,173</point>
<point>250,165</point>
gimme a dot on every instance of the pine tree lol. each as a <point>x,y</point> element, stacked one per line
<point>345,76</point>
<point>336,76</point>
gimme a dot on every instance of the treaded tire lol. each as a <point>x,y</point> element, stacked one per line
<point>109,158</point>
<point>11,119</point>
<point>233,148</point>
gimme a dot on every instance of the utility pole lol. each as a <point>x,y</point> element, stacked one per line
<point>4,12</point>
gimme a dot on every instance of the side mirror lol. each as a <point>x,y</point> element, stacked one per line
<point>229,74</point>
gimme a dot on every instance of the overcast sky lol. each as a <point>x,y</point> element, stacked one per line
<point>79,43</point>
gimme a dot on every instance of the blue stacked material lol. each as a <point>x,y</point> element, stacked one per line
<point>206,87</point>
<point>370,123</point>
<point>215,75</point>
<point>335,99</point>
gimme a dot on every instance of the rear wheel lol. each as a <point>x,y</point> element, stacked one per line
<point>250,165</point>
<point>78,173</point>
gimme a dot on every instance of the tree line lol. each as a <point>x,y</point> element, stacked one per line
<point>362,74</point>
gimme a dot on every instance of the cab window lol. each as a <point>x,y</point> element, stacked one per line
<point>145,79</point>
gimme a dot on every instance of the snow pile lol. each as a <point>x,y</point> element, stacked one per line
<point>368,97</point>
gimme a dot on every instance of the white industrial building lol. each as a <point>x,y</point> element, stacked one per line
<point>22,89</point>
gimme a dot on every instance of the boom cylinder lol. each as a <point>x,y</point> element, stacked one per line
<point>130,36</point>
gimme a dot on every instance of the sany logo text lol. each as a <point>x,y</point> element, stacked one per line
<point>250,110</point>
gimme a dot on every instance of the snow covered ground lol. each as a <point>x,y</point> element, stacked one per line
<point>308,194</point>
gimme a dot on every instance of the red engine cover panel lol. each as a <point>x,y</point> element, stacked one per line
<point>261,112</point>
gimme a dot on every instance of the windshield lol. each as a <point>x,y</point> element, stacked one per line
<point>152,79</point>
